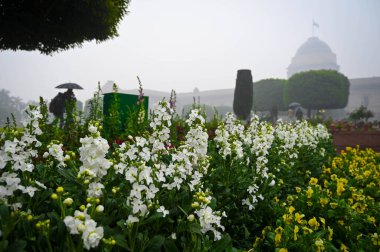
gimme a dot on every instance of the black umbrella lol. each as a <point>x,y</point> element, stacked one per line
<point>69,86</point>
<point>294,105</point>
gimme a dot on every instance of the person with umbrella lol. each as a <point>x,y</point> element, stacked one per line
<point>57,105</point>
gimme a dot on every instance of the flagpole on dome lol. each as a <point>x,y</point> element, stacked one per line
<point>314,24</point>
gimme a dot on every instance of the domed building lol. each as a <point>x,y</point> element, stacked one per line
<point>314,54</point>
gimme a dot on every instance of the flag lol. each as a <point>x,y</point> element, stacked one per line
<point>315,24</point>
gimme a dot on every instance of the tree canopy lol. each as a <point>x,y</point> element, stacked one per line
<point>50,26</point>
<point>318,89</point>
<point>269,93</point>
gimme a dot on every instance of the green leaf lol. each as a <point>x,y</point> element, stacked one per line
<point>195,228</point>
<point>152,218</point>
<point>4,211</point>
<point>121,242</point>
<point>18,246</point>
<point>222,244</point>
<point>170,246</point>
<point>4,245</point>
<point>155,243</point>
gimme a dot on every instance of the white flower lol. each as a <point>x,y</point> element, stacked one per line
<point>272,183</point>
<point>92,129</point>
<point>162,210</point>
<point>131,219</point>
<point>95,190</point>
<point>92,235</point>
<point>174,236</point>
<point>210,221</point>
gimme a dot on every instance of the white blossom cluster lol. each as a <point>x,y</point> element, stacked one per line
<point>16,157</point>
<point>209,219</point>
<point>94,163</point>
<point>136,165</point>
<point>94,167</point>
<point>81,223</point>
<point>190,162</point>
<point>161,121</point>
<point>55,151</point>
<point>140,164</point>
<point>256,141</point>
<point>229,136</point>
<point>294,137</point>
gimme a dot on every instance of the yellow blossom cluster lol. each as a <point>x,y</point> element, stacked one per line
<point>343,201</point>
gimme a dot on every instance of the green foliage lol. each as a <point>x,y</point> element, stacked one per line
<point>322,89</point>
<point>361,113</point>
<point>269,93</point>
<point>243,96</point>
<point>50,26</point>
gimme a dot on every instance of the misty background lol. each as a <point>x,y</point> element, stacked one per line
<point>177,44</point>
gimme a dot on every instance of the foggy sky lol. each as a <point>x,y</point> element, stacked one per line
<point>178,44</point>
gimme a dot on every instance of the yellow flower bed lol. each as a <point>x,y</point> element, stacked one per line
<point>338,210</point>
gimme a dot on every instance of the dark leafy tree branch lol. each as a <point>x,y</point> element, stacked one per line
<point>55,25</point>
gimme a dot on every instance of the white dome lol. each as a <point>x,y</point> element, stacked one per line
<point>314,54</point>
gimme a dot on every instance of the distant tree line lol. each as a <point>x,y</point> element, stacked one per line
<point>10,105</point>
<point>314,90</point>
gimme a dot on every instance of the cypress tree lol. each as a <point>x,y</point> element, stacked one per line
<point>243,96</point>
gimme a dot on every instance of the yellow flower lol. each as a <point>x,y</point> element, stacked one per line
<point>299,217</point>
<point>323,201</point>
<point>307,230</point>
<point>367,173</point>
<point>277,237</point>
<point>343,248</point>
<point>290,199</point>
<point>331,232</point>
<point>323,221</point>
<point>283,250</point>
<point>333,205</point>
<point>257,242</point>
<point>309,192</point>
<point>341,222</point>
<point>350,201</point>
<point>319,244</point>
<point>371,185</point>
<point>372,220</point>
<point>326,184</point>
<point>313,181</point>
<point>340,188</point>
<point>313,223</point>
<point>375,239</point>
<point>287,218</point>
<point>291,209</point>
<point>298,189</point>
<point>296,229</point>
<point>334,177</point>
